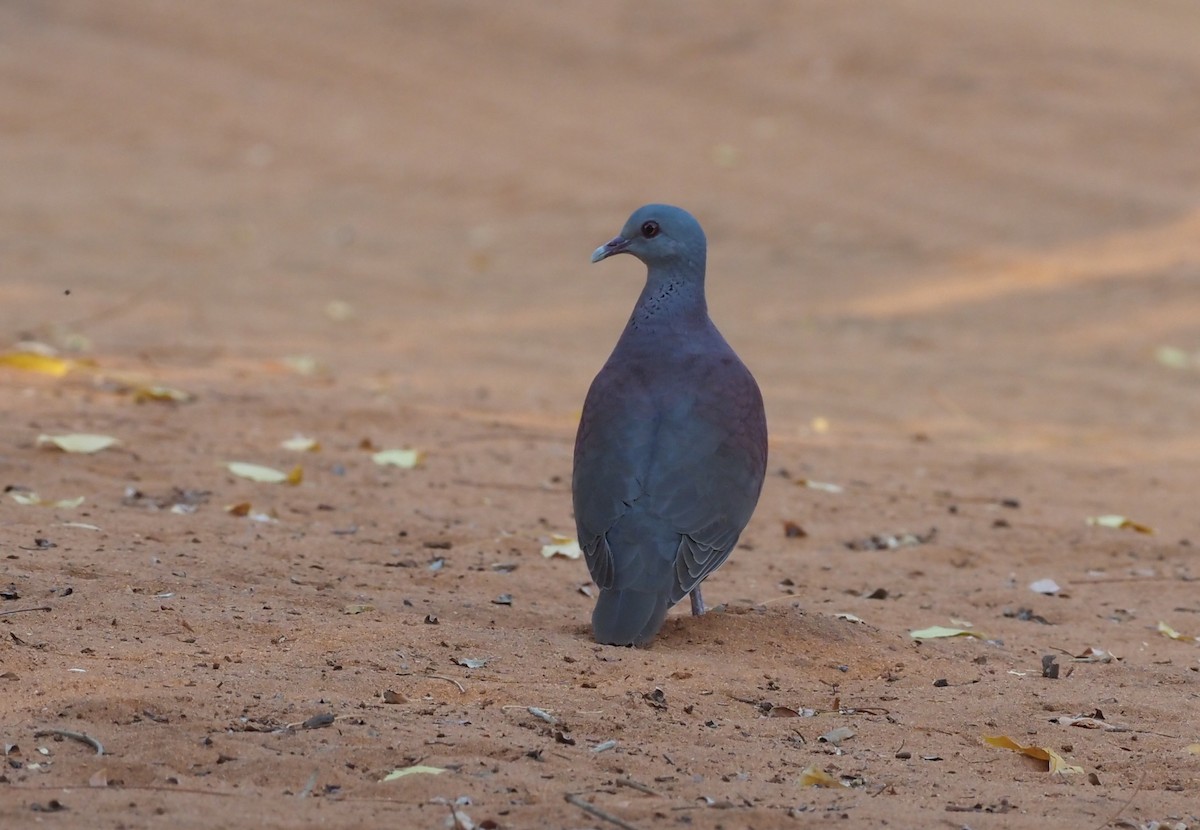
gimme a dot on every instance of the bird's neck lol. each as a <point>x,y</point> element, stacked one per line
<point>673,297</point>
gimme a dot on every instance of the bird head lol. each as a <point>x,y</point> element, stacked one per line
<point>658,235</point>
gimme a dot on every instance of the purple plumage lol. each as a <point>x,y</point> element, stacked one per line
<point>672,446</point>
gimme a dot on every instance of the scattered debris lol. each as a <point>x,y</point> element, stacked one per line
<point>1167,631</point>
<point>1045,586</point>
<point>78,442</point>
<point>657,699</point>
<point>470,662</point>
<point>814,776</point>
<point>935,632</point>
<point>74,736</point>
<point>1119,523</point>
<point>404,459</point>
<point>564,546</point>
<point>1026,615</point>
<point>1050,667</point>
<point>301,443</point>
<point>419,769</point>
<point>265,475</point>
<point>824,487</point>
<point>1054,762</point>
<point>891,541</point>
<point>1094,655</point>
<point>791,530</point>
<point>834,737</point>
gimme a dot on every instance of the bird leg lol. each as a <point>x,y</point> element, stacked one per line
<point>697,602</point>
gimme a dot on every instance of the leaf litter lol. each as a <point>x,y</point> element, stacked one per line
<point>564,546</point>
<point>265,475</point>
<point>78,442</point>
<point>1117,522</point>
<point>1055,763</point>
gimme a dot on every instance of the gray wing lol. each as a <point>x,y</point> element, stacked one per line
<point>665,480</point>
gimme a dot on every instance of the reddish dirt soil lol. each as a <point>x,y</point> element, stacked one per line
<point>948,237</point>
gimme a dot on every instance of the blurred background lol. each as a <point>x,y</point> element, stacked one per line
<point>969,219</point>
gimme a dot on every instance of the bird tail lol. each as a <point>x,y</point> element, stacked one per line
<point>628,617</point>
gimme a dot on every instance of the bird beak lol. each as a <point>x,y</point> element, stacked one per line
<point>616,245</point>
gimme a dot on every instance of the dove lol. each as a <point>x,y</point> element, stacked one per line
<point>671,449</point>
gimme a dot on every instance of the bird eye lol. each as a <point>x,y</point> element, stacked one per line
<point>650,229</point>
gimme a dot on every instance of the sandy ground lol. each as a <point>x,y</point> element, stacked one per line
<point>950,238</point>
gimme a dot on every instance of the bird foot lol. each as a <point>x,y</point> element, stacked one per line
<point>698,608</point>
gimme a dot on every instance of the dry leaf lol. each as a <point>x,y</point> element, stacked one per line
<point>301,443</point>
<point>358,608</point>
<point>405,459</point>
<point>1119,523</point>
<point>265,475</point>
<point>419,769</point>
<point>1094,655</point>
<point>242,508</point>
<point>161,394</point>
<point>819,485</point>
<point>562,546</point>
<point>938,631</point>
<point>77,442</point>
<point>40,363</point>
<point>814,776</point>
<point>1045,586</point>
<point>1192,749</point>
<point>34,500</point>
<point>848,617</point>
<point>834,737</point>
<point>1054,762</point>
<point>1167,631</point>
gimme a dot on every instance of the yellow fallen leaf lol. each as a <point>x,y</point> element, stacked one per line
<point>405,459</point>
<point>256,472</point>
<point>34,500</point>
<point>40,363</point>
<point>823,486</point>
<point>77,442</point>
<point>161,394</point>
<point>937,631</point>
<point>419,769</point>
<point>1054,762</point>
<point>301,443</point>
<point>1167,631</point>
<point>1119,523</point>
<point>294,476</point>
<point>814,776</point>
<point>562,546</point>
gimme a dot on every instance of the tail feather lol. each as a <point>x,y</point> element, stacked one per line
<point>628,617</point>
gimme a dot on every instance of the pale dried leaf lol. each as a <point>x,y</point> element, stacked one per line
<point>419,769</point>
<point>77,442</point>
<point>1167,631</point>
<point>301,443</point>
<point>1119,523</point>
<point>564,546</point>
<point>405,459</point>
<point>935,632</point>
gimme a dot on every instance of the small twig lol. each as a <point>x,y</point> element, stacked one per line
<point>637,785</point>
<point>23,610</point>
<point>592,809</point>
<point>1123,807</point>
<point>154,788</point>
<point>435,677</point>
<point>308,788</point>
<point>75,736</point>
